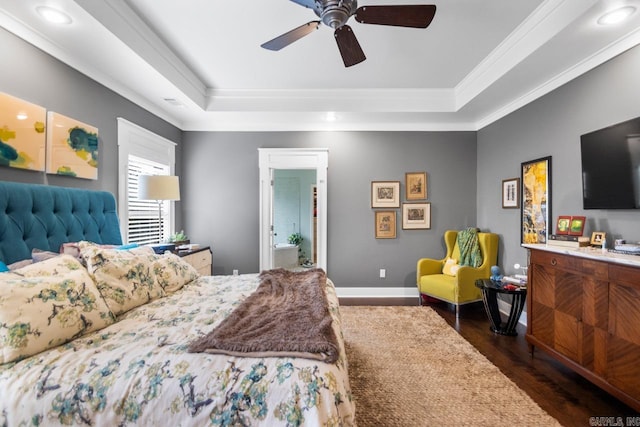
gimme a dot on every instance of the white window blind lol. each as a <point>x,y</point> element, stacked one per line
<point>148,220</point>
<point>141,152</point>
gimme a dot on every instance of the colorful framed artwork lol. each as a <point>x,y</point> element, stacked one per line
<point>511,193</point>
<point>385,194</point>
<point>536,200</point>
<point>563,224</point>
<point>385,224</point>
<point>415,185</point>
<point>22,133</point>
<point>598,238</point>
<point>72,147</point>
<point>576,227</point>
<point>416,216</point>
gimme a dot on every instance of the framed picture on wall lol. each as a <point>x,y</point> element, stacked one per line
<point>385,194</point>
<point>415,185</point>
<point>385,224</point>
<point>416,216</point>
<point>511,193</point>
<point>536,200</point>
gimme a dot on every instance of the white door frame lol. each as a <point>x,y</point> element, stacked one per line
<point>291,158</point>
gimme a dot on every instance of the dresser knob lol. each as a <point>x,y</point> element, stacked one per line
<point>554,262</point>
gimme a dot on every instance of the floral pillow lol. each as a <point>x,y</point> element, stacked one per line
<point>129,278</point>
<point>41,312</point>
<point>59,264</point>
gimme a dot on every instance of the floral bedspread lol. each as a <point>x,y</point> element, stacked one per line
<point>137,372</point>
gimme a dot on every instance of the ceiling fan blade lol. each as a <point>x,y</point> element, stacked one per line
<point>286,39</point>
<point>311,4</point>
<point>415,16</point>
<point>350,49</point>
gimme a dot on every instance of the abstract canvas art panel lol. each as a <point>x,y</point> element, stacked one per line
<point>72,147</point>
<point>22,133</point>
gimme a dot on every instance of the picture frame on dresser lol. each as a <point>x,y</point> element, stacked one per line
<point>598,238</point>
<point>535,208</point>
<point>562,225</point>
<point>577,225</point>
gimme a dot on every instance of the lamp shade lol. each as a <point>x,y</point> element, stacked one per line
<point>158,187</point>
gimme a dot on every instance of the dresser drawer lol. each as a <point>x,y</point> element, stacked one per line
<point>200,260</point>
<point>551,259</point>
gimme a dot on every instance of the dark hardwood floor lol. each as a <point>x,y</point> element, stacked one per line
<point>565,395</point>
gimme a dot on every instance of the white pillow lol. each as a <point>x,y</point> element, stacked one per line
<point>450,267</point>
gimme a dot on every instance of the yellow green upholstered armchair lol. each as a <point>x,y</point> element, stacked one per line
<point>457,287</point>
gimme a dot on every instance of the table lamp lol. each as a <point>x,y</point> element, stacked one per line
<point>159,188</point>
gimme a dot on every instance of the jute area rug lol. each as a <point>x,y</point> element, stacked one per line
<point>408,367</point>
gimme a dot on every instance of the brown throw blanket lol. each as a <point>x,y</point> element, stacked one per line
<point>287,316</point>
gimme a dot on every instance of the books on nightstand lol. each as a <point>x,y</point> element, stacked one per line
<point>568,241</point>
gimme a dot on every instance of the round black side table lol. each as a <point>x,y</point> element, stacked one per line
<point>490,290</point>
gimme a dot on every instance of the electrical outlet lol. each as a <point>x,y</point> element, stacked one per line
<point>235,272</point>
<point>383,273</point>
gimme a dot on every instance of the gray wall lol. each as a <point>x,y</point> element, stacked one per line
<point>34,76</point>
<point>221,197</point>
<point>219,171</point>
<point>551,126</point>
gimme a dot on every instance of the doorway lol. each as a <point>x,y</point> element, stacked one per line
<point>272,159</point>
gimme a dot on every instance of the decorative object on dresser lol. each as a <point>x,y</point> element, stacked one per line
<point>536,200</point>
<point>598,238</point>
<point>511,193</point>
<point>568,240</point>
<point>576,228</point>
<point>201,258</point>
<point>562,225</point>
<point>159,188</point>
<point>583,310</point>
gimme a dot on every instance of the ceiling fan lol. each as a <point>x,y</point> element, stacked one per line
<point>336,13</point>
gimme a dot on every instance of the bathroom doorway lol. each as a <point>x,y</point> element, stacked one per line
<point>273,162</point>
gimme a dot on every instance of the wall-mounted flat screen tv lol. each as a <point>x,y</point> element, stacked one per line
<point>611,167</point>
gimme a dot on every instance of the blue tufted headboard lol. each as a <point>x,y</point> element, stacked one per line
<point>44,217</point>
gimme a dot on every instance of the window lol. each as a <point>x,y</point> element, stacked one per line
<point>142,152</point>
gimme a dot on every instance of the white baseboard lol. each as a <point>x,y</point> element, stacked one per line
<point>377,292</point>
<point>503,306</point>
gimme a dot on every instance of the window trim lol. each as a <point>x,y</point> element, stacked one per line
<point>138,141</point>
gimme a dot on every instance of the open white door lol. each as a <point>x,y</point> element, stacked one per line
<point>289,158</point>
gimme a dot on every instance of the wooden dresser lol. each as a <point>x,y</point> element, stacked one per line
<point>584,310</point>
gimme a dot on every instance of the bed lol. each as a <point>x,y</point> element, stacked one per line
<point>127,363</point>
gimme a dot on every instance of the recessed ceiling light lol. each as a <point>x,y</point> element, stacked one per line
<point>54,16</point>
<point>331,116</point>
<point>22,116</point>
<point>616,16</point>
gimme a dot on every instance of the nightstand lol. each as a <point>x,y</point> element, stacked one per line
<point>201,259</point>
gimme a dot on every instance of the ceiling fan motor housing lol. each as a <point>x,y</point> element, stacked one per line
<point>335,13</point>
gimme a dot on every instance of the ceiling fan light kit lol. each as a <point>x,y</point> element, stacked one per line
<point>336,13</point>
